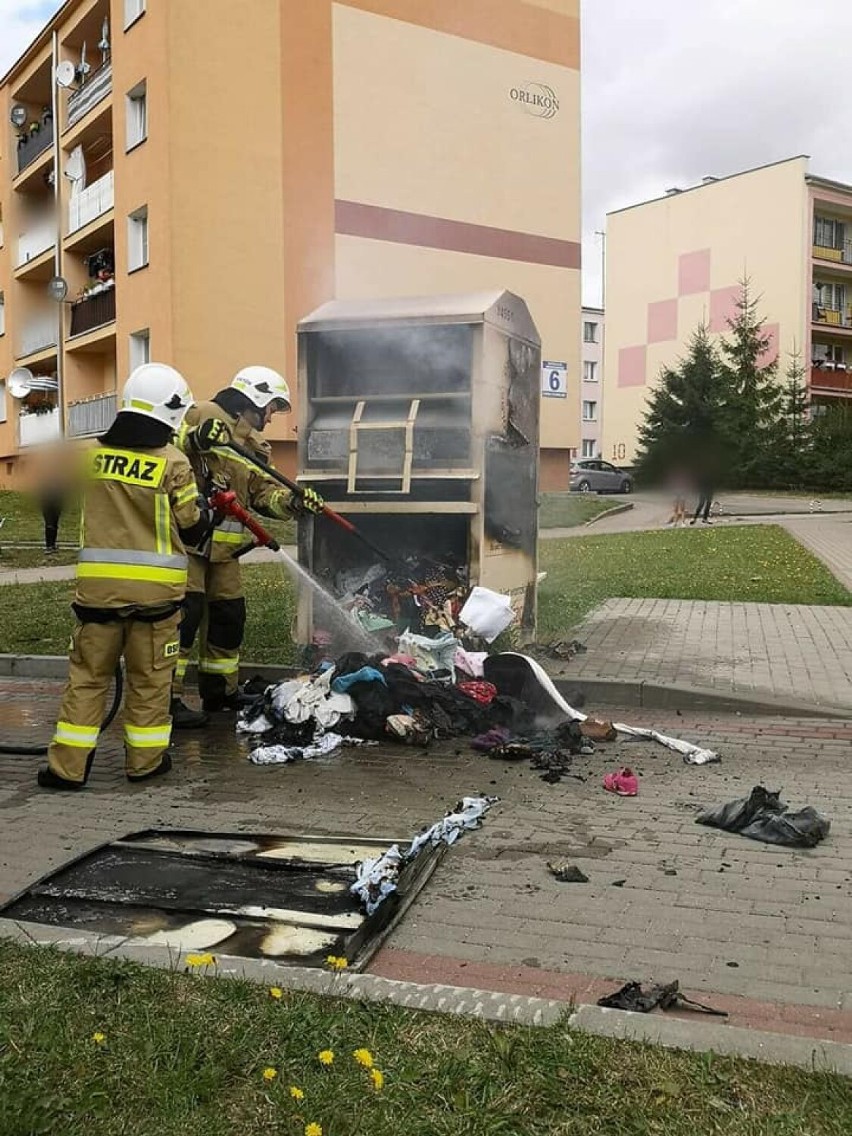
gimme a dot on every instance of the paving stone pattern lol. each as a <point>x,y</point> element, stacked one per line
<point>795,651</point>
<point>720,913</point>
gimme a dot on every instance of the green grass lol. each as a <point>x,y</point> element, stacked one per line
<point>24,522</point>
<point>183,1055</point>
<point>16,557</point>
<point>567,510</point>
<point>748,564</point>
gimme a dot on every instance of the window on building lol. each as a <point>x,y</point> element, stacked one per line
<point>137,239</point>
<point>2,400</point>
<point>830,295</point>
<point>140,348</point>
<point>2,314</point>
<point>588,450</point>
<point>136,109</point>
<point>590,332</point>
<point>590,411</point>
<point>133,9</point>
<point>590,371</point>
<point>828,233</point>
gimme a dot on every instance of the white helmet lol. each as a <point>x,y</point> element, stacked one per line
<point>157,391</point>
<point>262,385</point>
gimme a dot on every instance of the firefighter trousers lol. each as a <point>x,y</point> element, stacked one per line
<point>150,651</point>
<point>215,607</point>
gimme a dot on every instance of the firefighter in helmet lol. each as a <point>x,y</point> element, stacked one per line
<point>215,587</point>
<point>140,509</point>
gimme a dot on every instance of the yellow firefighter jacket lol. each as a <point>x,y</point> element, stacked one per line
<point>134,502</point>
<point>253,490</point>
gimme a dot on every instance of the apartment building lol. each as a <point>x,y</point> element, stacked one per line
<point>591,382</point>
<point>202,180</point>
<point>677,261</point>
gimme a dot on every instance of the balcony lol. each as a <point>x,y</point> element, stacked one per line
<point>34,145</point>
<point>38,429</point>
<point>94,90</point>
<point>36,240</point>
<point>91,415</point>
<point>38,334</point>
<point>91,202</point>
<point>93,312</point>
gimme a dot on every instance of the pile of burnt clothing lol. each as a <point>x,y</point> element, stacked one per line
<point>549,751</point>
<point>422,594</point>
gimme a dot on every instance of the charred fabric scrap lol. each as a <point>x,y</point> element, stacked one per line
<point>764,816</point>
<point>511,709</point>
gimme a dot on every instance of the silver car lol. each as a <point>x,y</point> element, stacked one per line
<point>599,477</point>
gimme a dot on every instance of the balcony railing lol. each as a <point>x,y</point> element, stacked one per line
<point>823,379</point>
<point>832,317</point>
<point>91,415</point>
<point>36,240</point>
<point>94,311</point>
<point>39,333</point>
<point>93,91</point>
<point>838,255</point>
<point>34,145</point>
<point>91,202</point>
<point>37,429</point>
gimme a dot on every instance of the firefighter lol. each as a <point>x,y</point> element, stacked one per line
<point>245,407</point>
<point>140,508</point>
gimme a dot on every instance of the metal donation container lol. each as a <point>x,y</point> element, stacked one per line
<point>419,419</point>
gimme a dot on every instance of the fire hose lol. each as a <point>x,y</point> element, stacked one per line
<point>329,513</point>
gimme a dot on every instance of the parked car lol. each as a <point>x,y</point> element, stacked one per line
<point>599,477</point>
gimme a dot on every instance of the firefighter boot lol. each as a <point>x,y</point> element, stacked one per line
<point>185,718</point>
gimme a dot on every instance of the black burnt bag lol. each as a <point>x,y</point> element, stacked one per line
<point>764,816</point>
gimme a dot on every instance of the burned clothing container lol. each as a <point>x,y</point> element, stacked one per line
<point>419,421</point>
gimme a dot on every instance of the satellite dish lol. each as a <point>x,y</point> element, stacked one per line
<point>18,115</point>
<point>83,68</point>
<point>103,46</point>
<point>66,73</point>
<point>20,382</point>
<point>57,288</point>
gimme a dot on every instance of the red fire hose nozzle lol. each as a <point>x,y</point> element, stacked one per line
<point>225,501</point>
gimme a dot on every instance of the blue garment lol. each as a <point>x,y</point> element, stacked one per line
<point>365,674</point>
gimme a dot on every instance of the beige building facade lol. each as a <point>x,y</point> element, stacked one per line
<point>677,262</point>
<point>203,181</point>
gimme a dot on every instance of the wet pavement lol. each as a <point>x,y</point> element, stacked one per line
<point>665,899</point>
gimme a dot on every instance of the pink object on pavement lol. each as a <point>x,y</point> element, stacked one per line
<point>625,783</point>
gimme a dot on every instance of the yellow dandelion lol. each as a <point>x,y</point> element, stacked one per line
<point>205,959</point>
<point>99,1038</point>
<point>296,1093</point>
<point>269,1074</point>
<point>326,1056</point>
<point>276,992</point>
<point>378,1079</point>
<point>313,1130</point>
<point>364,1058</point>
<point>336,962</point>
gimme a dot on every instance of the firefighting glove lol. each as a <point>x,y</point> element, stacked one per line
<point>308,501</point>
<point>213,432</point>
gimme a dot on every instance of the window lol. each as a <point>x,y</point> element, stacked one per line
<point>828,233</point>
<point>590,332</point>
<point>588,448</point>
<point>590,411</point>
<point>830,295</point>
<point>133,9</point>
<point>2,314</point>
<point>137,239</point>
<point>2,400</point>
<point>590,372</point>
<point>136,110</point>
<point>140,348</point>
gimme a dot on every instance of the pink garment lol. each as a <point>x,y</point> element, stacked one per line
<point>403,660</point>
<point>471,662</point>
<point>625,783</point>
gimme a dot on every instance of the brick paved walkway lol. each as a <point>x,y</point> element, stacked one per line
<point>766,931</point>
<point>795,651</point>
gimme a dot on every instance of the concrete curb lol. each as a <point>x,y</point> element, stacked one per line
<point>623,694</point>
<point>485,1005</point>
<point>611,512</point>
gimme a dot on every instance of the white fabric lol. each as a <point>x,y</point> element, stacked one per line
<point>321,745</point>
<point>377,879</point>
<point>259,725</point>
<point>430,654</point>
<point>692,754</point>
<point>471,662</point>
<point>487,613</point>
<point>316,699</point>
<point>453,825</point>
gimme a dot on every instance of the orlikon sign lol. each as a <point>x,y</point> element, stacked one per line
<point>536,99</point>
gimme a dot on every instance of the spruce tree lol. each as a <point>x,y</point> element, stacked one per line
<point>788,462</point>
<point>686,413</point>
<point>755,398</point>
